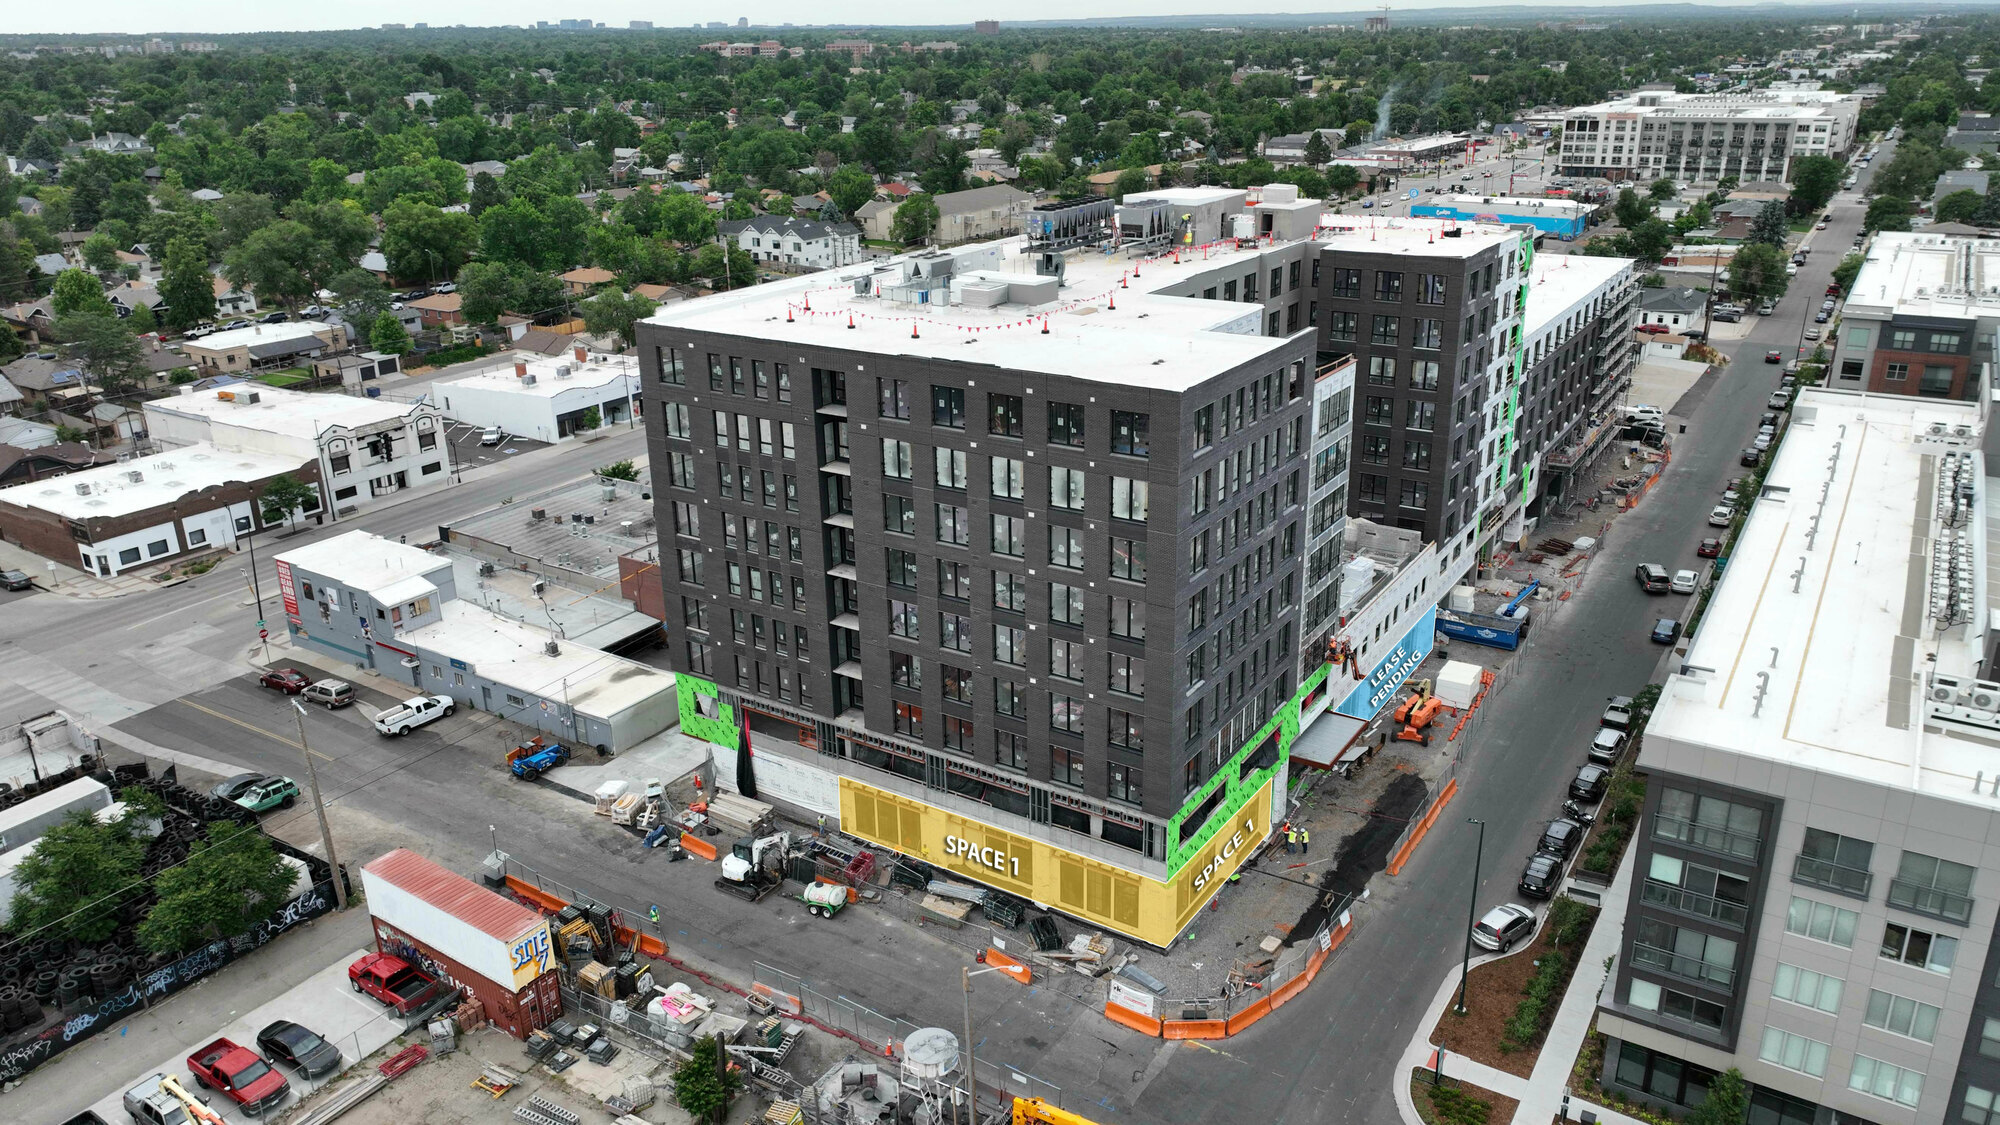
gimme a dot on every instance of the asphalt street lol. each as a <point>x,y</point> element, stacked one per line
<point>1327,1056</point>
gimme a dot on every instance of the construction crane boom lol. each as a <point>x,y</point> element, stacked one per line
<point>1035,1111</point>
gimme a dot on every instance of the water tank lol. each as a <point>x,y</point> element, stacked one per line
<point>930,1053</point>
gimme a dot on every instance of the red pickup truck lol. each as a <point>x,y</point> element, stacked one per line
<point>239,1074</point>
<point>393,981</point>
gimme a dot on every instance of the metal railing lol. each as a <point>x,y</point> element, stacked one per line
<point>1681,965</point>
<point>1707,837</point>
<point>1694,902</point>
<point>1919,899</point>
<point>1855,881</point>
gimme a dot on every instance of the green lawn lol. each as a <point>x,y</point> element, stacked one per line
<point>1802,225</point>
<point>289,377</point>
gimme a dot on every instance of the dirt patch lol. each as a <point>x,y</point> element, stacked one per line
<point>1363,853</point>
<point>1450,1107</point>
<point>1494,992</point>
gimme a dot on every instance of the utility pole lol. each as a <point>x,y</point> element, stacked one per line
<point>971,1070</point>
<point>1471,914</point>
<point>256,590</point>
<point>319,810</point>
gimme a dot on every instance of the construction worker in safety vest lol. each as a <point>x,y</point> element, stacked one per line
<point>653,914</point>
<point>1305,841</point>
<point>1291,838</point>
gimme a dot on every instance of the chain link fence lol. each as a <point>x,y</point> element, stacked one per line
<point>1291,963</point>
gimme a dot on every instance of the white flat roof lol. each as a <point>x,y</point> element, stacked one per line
<point>259,334</point>
<point>1830,626</point>
<point>513,653</point>
<point>292,413</point>
<point>1558,283</point>
<point>598,371</point>
<point>1367,234</point>
<point>162,478</point>
<point>1189,196</point>
<point>362,560</point>
<point>1918,274</point>
<point>1499,203</point>
<point>1148,339</point>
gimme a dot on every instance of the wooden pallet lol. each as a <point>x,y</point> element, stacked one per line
<point>496,1080</point>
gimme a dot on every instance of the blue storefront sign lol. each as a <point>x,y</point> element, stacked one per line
<point>1392,669</point>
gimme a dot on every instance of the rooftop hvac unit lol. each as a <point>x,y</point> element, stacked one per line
<point>135,476</point>
<point>82,488</point>
<point>1961,431</point>
<point>552,649</point>
<point>538,513</point>
<point>1947,689</point>
<point>528,380</point>
<point>562,370</point>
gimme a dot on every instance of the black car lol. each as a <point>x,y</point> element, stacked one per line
<point>1589,783</point>
<point>1750,457</point>
<point>1540,877</point>
<point>1768,418</point>
<point>16,580</point>
<point>1560,838</point>
<point>1666,631</point>
<point>298,1048</point>
<point>240,784</point>
<point>85,1118</point>
<point>273,318</point>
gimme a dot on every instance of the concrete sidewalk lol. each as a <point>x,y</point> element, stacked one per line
<point>98,1071</point>
<point>1541,1094</point>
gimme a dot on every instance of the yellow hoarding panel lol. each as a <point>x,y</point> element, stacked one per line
<point>1146,909</point>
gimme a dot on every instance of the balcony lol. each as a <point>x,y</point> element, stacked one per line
<point>1828,875</point>
<point>1691,902</point>
<point>1707,837</point>
<point>1687,968</point>
<point>1919,899</point>
<point>831,409</point>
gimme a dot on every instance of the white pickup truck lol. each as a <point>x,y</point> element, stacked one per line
<point>414,712</point>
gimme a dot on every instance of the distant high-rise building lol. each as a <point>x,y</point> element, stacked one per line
<point>742,21</point>
<point>641,25</point>
<point>392,27</point>
<point>986,27</point>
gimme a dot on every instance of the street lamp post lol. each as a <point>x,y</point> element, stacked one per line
<point>971,1071</point>
<point>319,810</point>
<point>256,590</point>
<point>1471,915</point>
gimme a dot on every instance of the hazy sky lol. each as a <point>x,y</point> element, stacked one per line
<point>134,17</point>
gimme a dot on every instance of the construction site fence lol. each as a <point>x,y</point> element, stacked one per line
<point>523,880</point>
<point>1293,962</point>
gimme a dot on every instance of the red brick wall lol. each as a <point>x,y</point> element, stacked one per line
<point>1880,383</point>
<point>48,535</point>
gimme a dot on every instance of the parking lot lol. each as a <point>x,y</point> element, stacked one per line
<point>468,451</point>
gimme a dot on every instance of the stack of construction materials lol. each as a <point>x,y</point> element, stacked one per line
<point>737,815</point>
<point>598,978</point>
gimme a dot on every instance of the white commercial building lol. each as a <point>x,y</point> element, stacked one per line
<point>1703,138</point>
<point>546,399</point>
<point>1816,887</point>
<point>367,448</point>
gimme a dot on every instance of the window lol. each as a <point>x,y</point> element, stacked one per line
<point>1003,415</point>
<point>1884,1080</point>
<point>1416,495</point>
<point>1904,1016</point>
<point>1945,341</point>
<point>1341,327</point>
<point>1936,380</point>
<point>1430,288</point>
<point>950,468</point>
<point>1065,424</point>
<point>735,375</point>
<point>1836,862</point>
<point>1803,986</point>
<point>954,632</point>
<point>1897,372</point>
<point>1684,952</point>
<point>1009,535</point>
<point>1066,714</point>
<point>948,407</point>
<point>1427,333</point>
<point>1379,411</point>
<point>1693,889</point>
<point>895,398</point>
<point>673,369</point>
<point>697,662</point>
<point>1010,591</point>
<point>1382,370</point>
<point>1065,604</point>
<point>1066,766</point>
<point>1388,285</point>
<point>954,580</point>
<point>1384,329</point>
<point>1930,952</point>
<point>1128,558</point>
<point>899,514</point>
<point>1710,823</point>
<point>1420,415</point>
<point>1345,283</point>
<point>1793,1052</point>
<point>897,464</point>
<point>902,568</point>
<point>690,566</point>
<point>1204,427</point>
<point>1822,922</point>
<point>1128,499</point>
<point>1374,449</point>
<point>1010,646</point>
<point>906,670</point>
<point>903,621</point>
<point>1129,433</point>
<point>1417,455</point>
<point>1903,339</point>
<point>909,721</point>
<point>197,537</point>
<point>128,555</point>
<point>1066,659</point>
<point>1066,488</point>
<point>954,524</point>
<point>1128,675</point>
<point>1424,376</point>
<point>1065,547</point>
<point>1128,618</point>
<point>1008,698</point>
<point>1126,782</point>
<point>157,548</point>
<point>1010,750</point>
<point>1980,1108</point>
<point>958,734</point>
<point>1937,887</point>
<point>957,683</point>
<point>694,614</point>
<point>1007,476</point>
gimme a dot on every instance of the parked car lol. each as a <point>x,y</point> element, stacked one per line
<point>329,693</point>
<point>16,580</point>
<point>312,311</point>
<point>234,787</point>
<point>1750,457</point>
<point>1540,876</point>
<point>1605,745</point>
<point>1767,308</point>
<point>1617,713</point>
<point>1560,838</point>
<point>148,1103</point>
<point>492,435</point>
<point>1666,631</point>
<point>300,1049</point>
<point>1693,334</point>
<point>1653,329</point>
<point>1709,548</point>
<point>1779,400</point>
<point>239,1074</point>
<point>1653,578</point>
<point>1791,269</point>
<point>414,712</point>
<point>393,981</point>
<point>291,681</point>
<point>1721,515</point>
<point>1761,442</point>
<point>273,318</point>
<point>1768,418</point>
<point>1833,290</point>
<point>1685,581</point>
<point>239,322</point>
<point>1774,356</point>
<point>271,793</point>
<point>447,287</point>
<point>1812,333</point>
<point>1727,315</point>
<point>1822,316</point>
<point>1589,783</point>
<point>1503,926</point>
